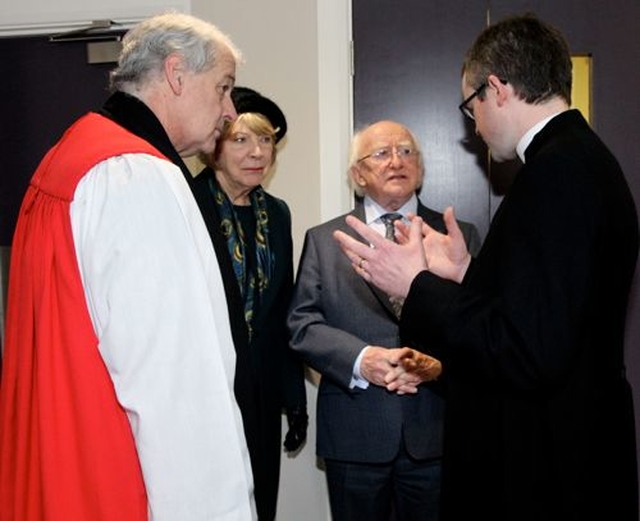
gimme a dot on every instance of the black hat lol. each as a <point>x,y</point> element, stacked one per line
<point>248,100</point>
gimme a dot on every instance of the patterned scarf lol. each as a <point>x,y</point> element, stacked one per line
<point>253,281</point>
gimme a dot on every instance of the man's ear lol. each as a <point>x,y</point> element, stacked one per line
<point>354,172</point>
<point>174,73</point>
<point>503,89</point>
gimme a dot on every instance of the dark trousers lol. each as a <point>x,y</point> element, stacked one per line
<point>404,489</point>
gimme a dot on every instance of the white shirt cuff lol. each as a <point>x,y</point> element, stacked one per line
<point>357,380</point>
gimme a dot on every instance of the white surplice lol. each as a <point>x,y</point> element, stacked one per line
<point>157,302</point>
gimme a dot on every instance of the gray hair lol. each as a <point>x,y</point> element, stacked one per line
<point>356,152</point>
<point>147,45</point>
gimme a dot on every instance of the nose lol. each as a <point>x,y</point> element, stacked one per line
<point>396,160</point>
<point>228,108</point>
<point>257,150</point>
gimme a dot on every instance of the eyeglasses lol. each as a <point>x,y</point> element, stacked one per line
<point>382,155</point>
<point>464,106</point>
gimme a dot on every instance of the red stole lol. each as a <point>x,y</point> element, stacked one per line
<point>67,452</point>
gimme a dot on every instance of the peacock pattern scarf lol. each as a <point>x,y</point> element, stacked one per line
<point>252,281</point>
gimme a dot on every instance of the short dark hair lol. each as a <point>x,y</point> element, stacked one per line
<point>530,54</point>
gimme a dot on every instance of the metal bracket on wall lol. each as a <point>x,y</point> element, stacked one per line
<point>98,30</point>
<point>103,37</point>
<point>103,52</point>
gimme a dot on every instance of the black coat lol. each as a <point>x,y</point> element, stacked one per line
<point>539,422</point>
<point>274,378</point>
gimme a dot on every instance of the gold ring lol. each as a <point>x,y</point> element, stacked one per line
<point>361,264</point>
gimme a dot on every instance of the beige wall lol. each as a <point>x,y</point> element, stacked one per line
<point>297,52</point>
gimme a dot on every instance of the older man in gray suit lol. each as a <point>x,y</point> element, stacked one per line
<point>380,436</point>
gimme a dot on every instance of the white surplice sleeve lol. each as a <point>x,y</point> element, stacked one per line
<point>157,301</point>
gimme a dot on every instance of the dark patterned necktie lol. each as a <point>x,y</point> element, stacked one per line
<point>390,233</point>
<point>388,219</point>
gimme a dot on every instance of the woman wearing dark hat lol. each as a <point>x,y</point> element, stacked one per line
<point>257,230</point>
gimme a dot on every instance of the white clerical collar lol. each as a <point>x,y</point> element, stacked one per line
<point>526,140</point>
<point>373,211</point>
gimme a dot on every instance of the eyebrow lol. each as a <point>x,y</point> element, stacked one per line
<point>378,144</point>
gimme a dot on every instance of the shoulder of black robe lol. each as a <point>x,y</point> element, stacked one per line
<point>132,114</point>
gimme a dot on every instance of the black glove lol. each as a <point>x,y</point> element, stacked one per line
<point>298,421</point>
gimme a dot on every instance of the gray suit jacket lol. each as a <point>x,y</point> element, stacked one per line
<point>334,314</point>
